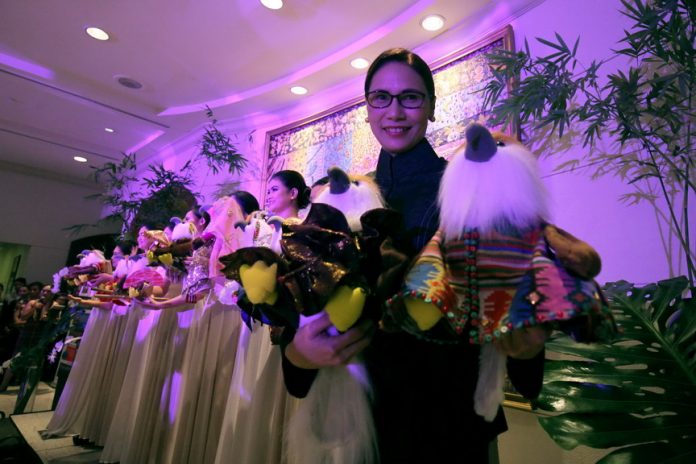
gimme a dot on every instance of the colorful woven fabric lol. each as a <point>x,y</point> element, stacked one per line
<point>488,284</point>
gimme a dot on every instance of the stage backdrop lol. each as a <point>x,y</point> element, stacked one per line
<point>341,137</point>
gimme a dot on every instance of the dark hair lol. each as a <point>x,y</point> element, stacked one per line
<point>294,180</point>
<point>150,225</point>
<point>202,212</point>
<point>21,280</point>
<point>126,246</point>
<point>246,201</point>
<point>407,57</point>
<point>36,284</point>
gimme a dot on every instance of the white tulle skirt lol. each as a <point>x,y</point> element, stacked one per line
<point>156,352</point>
<point>88,399</point>
<point>198,399</point>
<point>258,406</point>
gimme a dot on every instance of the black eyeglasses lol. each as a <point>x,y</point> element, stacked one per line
<point>410,99</point>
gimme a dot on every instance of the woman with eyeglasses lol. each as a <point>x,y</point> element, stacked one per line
<point>423,392</point>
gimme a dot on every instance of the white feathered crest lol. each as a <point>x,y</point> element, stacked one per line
<point>500,193</point>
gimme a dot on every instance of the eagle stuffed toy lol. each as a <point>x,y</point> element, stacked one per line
<point>496,265</point>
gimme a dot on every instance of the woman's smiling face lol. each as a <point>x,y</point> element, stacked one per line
<point>396,128</point>
<point>278,197</point>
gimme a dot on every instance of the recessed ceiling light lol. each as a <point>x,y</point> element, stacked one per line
<point>360,63</point>
<point>109,130</point>
<point>298,90</point>
<point>272,4</point>
<point>128,82</point>
<point>96,33</point>
<point>80,159</point>
<point>433,23</point>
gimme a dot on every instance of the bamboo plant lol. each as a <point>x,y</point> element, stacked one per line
<point>647,108</point>
<point>637,392</point>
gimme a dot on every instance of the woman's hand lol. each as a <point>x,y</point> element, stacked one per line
<point>153,304</point>
<point>147,291</point>
<point>95,303</point>
<point>524,343</point>
<point>314,348</point>
<point>99,279</point>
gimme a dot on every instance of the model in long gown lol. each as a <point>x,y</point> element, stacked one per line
<point>195,400</point>
<point>258,406</point>
<point>159,337</point>
<point>87,402</point>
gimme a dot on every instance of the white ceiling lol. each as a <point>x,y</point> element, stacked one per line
<point>58,88</point>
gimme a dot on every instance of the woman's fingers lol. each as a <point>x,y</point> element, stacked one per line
<point>523,343</point>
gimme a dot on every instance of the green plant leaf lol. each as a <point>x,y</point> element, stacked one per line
<point>608,430</point>
<point>674,452</point>
<point>583,398</point>
<point>635,389</point>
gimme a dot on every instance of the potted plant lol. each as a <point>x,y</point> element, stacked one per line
<point>637,392</point>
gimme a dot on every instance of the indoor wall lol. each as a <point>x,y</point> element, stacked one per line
<point>35,209</point>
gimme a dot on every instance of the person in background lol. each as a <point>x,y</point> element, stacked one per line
<point>423,392</point>
<point>35,290</point>
<point>26,319</point>
<point>199,217</point>
<point>8,331</point>
<point>287,194</point>
<point>246,201</point>
<point>12,292</point>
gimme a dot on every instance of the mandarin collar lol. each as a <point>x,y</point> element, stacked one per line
<point>420,159</point>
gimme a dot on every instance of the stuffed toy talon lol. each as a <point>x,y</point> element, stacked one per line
<point>425,315</point>
<point>345,306</point>
<point>259,282</point>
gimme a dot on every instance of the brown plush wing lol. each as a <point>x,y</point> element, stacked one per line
<point>575,255</point>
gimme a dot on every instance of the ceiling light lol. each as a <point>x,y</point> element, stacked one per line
<point>272,4</point>
<point>128,82</point>
<point>298,90</point>
<point>360,63</point>
<point>109,130</point>
<point>433,23</point>
<point>80,159</point>
<point>97,33</point>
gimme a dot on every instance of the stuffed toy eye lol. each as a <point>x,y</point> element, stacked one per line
<point>500,143</point>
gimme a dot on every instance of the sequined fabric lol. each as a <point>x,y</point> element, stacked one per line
<point>198,269</point>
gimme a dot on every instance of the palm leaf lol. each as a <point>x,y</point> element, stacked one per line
<point>637,391</point>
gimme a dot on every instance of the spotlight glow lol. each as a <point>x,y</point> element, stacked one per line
<point>80,159</point>
<point>272,4</point>
<point>97,33</point>
<point>433,23</point>
<point>298,90</point>
<point>360,63</point>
